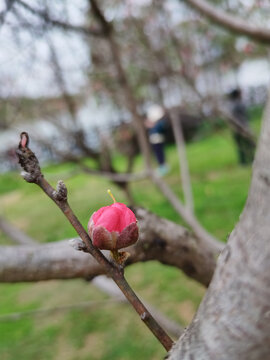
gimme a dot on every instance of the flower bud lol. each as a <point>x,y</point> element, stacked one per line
<point>113,227</point>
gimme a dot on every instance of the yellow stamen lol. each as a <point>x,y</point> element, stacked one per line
<point>111,195</point>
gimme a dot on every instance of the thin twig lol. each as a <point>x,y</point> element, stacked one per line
<point>236,124</point>
<point>183,163</point>
<point>5,12</point>
<point>126,89</point>
<point>209,240</point>
<point>59,23</point>
<point>32,173</point>
<point>106,285</point>
<point>177,127</point>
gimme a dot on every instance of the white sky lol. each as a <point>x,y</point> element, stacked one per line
<point>24,59</point>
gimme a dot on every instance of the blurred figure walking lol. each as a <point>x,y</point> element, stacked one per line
<point>156,124</point>
<point>245,146</point>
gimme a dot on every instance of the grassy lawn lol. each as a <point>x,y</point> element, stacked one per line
<point>111,330</point>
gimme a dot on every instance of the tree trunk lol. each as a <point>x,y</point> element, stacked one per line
<point>233,321</point>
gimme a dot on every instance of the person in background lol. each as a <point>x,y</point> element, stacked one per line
<point>156,123</point>
<point>245,146</point>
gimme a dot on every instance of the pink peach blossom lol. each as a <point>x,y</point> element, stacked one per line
<point>113,227</point>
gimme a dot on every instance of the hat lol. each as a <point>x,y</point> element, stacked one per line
<point>155,113</point>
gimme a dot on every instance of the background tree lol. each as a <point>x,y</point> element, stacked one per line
<point>124,70</point>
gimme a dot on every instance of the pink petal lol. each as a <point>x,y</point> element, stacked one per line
<point>127,216</point>
<point>115,217</point>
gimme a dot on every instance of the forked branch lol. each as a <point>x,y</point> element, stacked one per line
<point>32,173</point>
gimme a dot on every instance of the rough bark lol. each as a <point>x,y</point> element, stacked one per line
<point>160,240</point>
<point>44,262</point>
<point>233,321</point>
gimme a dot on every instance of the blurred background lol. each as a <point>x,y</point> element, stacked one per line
<point>78,76</point>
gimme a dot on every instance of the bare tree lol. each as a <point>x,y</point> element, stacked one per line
<point>233,319</point>
<point>247,253</point>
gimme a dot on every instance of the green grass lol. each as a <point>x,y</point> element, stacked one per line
<point>113,331</point>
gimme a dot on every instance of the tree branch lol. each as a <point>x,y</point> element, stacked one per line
<point>116,297</point>
<point>209,240</point>
<point>183,163</point>
<point>231,22</point>
<point>132,106</point>
<point>125,87</point>
<point>3,13</point>
<point>160,240</point>
<point>233,319</point>
<point>102,282</point>
<point>106,285</point>
<point>236,125</point>
<point>58,23</point>
<point>32,173</point>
